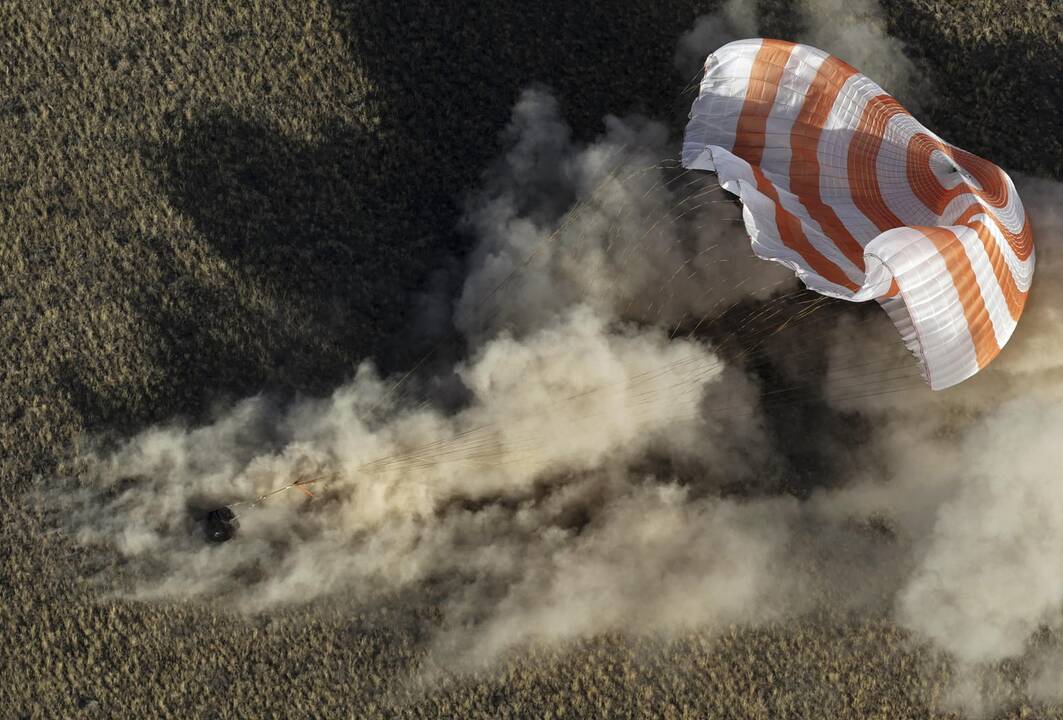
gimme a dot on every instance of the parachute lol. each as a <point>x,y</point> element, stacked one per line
<point>841,184</point>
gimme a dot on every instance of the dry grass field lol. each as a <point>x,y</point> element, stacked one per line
<point>201,201</point>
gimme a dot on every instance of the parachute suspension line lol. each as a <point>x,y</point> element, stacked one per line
<point>470,445</point>
<point>629,383</point>
<point>874,374</point>
<point>396,387</point>
<point>497,455</point>
<point>881,384</point>
<point>483,444</point>
<point>691,84</point>
<point>488,452</point>
<point>672,214</point>
<point>299,484</point>
<point>850,379</point>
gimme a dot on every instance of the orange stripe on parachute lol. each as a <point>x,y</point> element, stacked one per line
<point>936,197</point>
<point>862,166</point>
<point>761,90</point>
<point>862,162</point>
<point>805,136</point>
<point>1013,296</point>
<point>763,85</point>
<point>789,226</point>
<point>979,324</point>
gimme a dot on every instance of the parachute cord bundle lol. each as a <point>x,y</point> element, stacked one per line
<point>477,446</point>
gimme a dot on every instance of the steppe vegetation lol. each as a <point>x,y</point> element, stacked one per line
<point>203,201</point>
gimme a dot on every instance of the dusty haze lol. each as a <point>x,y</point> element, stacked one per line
<point>573,471</point>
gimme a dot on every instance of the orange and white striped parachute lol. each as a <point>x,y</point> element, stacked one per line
<point>841,184</point>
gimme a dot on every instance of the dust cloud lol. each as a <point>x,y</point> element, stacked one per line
<point>547,501</point>
<point>578,484</point>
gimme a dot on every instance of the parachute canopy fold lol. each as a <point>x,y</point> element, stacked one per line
<point>841,184</point>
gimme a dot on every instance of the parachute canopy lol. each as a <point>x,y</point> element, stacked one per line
<point>841,184</point>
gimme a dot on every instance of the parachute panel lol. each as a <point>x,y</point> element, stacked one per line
<point>841,184</point>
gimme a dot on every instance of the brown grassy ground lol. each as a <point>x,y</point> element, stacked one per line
<point>202,202</point>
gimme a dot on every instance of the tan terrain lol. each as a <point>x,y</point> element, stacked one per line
<point>178,188</point>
